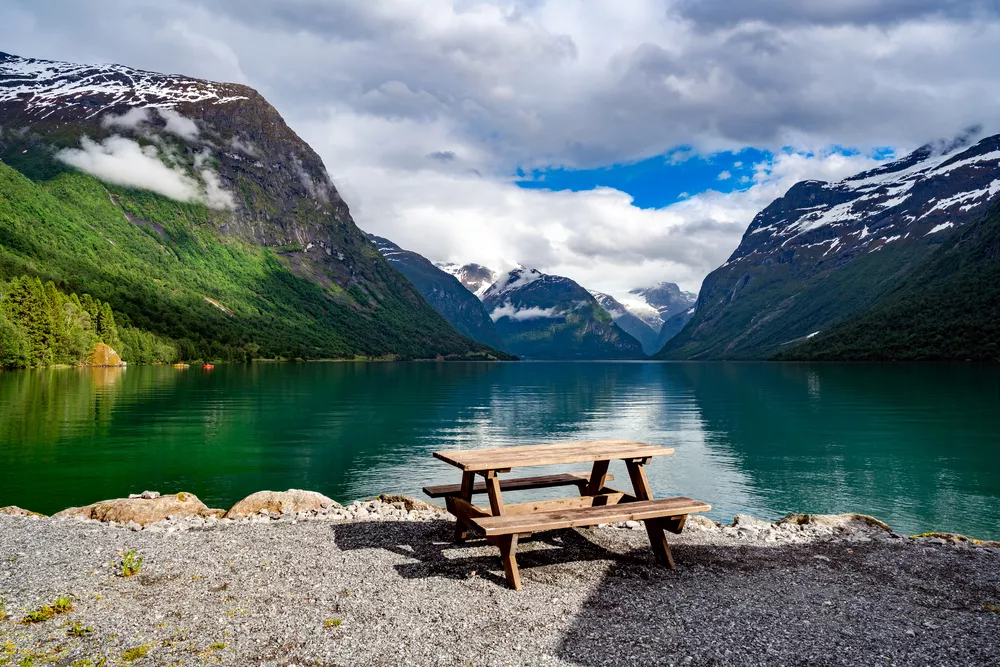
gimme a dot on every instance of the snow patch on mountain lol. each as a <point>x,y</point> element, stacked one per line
<point>50,85</point>
<point>512,280</point>
<point>475,277</point>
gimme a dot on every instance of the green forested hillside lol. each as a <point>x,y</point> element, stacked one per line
<point>948,308</point>
<point>165,268</point>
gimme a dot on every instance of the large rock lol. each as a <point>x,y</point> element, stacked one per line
<point>14,510</point>
<point>142,511</point>
<point>103,356</point>
<point>842,521</point>
<point>409,503</point>
<point>280,502</point>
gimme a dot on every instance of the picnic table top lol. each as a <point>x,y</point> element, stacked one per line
<point>499,458</point>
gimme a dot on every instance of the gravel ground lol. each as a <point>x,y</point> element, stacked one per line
<point>325,591</point>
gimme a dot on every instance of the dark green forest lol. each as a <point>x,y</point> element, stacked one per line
<point>947,308</point>
<point>181,289</point>
<point>41,326</point>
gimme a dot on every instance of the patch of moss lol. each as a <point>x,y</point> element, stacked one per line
<point>62,605</point>
<point>332,622</point>
<point>136,652</point>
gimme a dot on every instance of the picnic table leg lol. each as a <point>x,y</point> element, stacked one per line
<point>461,528</point>
<point>507,543</point>
<point>508,547</point>
<point>598,475</point>
<point>654,527</point>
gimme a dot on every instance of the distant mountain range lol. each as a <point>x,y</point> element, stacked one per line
<point>856,251</point>
<point>197,215</point>
<point>475,277</point>
<point>540,316</point>
<point>443,292</point>
<point>629,322</point>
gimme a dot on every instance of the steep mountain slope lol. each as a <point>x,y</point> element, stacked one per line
<point>193,209</point>
<point>947,308</point>
<point>474,277</point>
<point>550,317</point>
<point>826,251</point>
<point>443,292</point>
<point>628,322</point>
<point>671,327</point>
<point>657,304</point>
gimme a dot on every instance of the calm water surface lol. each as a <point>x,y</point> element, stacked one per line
<point>915,445</point>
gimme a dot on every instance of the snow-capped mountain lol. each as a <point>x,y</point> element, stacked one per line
<point>655,305</point>
<point>824,251</point>
<point>46,87</point>
<point>475,277</point>
<point>201,171</point>
<point>443,292</point>
<point>629,323</point>
<point>551,317</point>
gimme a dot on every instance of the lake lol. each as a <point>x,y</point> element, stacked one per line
<point>917,446</point>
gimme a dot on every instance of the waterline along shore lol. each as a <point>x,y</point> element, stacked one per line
<point>294,578</point>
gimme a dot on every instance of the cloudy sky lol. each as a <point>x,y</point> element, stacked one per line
<point>617,142</point>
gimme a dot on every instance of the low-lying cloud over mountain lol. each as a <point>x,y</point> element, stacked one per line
<point>426,111</point>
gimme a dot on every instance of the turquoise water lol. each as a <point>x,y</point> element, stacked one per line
<point>915,445</point>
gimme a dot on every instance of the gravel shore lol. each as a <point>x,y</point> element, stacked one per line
<point>378,584</point>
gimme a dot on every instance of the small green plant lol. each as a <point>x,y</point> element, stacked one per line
<point>62,605</point>
<point>77,630</point>
<point>135,653</point>
<point>217,646</point>
<point>3,609</point>
<point>332,622</point>
<point>131,563</point>
<point>27,661</point>
<point>87,662</point>
<point>991,607</point>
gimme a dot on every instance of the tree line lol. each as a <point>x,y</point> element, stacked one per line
<point>41,326</point>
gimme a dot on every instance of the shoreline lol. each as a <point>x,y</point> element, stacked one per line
<point>380,582</point>
<point>147,510</point>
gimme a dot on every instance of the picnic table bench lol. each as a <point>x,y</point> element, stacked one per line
<point>597,503</point>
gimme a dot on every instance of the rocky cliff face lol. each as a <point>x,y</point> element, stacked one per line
<point>539,316</point>
<point>629,323</point>
<point>225,150</point>
<point>826,251</point>
<point>443,292</point>
<point>474,277</point>
<point>657,304</point>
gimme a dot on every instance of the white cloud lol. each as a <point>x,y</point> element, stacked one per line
<point>423,111</point>
<point>725,175</point>
<point>522,314</point>
<point>129,120</point>
<point>124,162</point>
<point>179,125</point>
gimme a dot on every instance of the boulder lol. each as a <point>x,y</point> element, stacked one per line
<point>841,521</point>
<point>409,502</point>
<point>280,502</point>
<point>14,510</point>
<point>142,511</point>
<point>103,356</point>
<point>703,522</point>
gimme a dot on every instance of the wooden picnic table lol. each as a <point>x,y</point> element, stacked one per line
<point>597,503</point>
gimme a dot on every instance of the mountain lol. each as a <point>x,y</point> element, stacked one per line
<point>673,326</point>
<point>549,317</point>
<point>628,322</point>
<point>825,252</point>
<point>474,277</point>
<point>443,292</point>
<point>196,213</point>
<point>657,304</point>
<point>947,308</point>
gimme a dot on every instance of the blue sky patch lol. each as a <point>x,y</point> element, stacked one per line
<point>665,179</point>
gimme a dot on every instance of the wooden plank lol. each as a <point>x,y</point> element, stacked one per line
<point>493,489</point>
<point>550,454</point>
<point>519,484</point>
<point>463,510</point>
<point>598,475</point>
<point>589,516</point>
<point>595,500</point>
